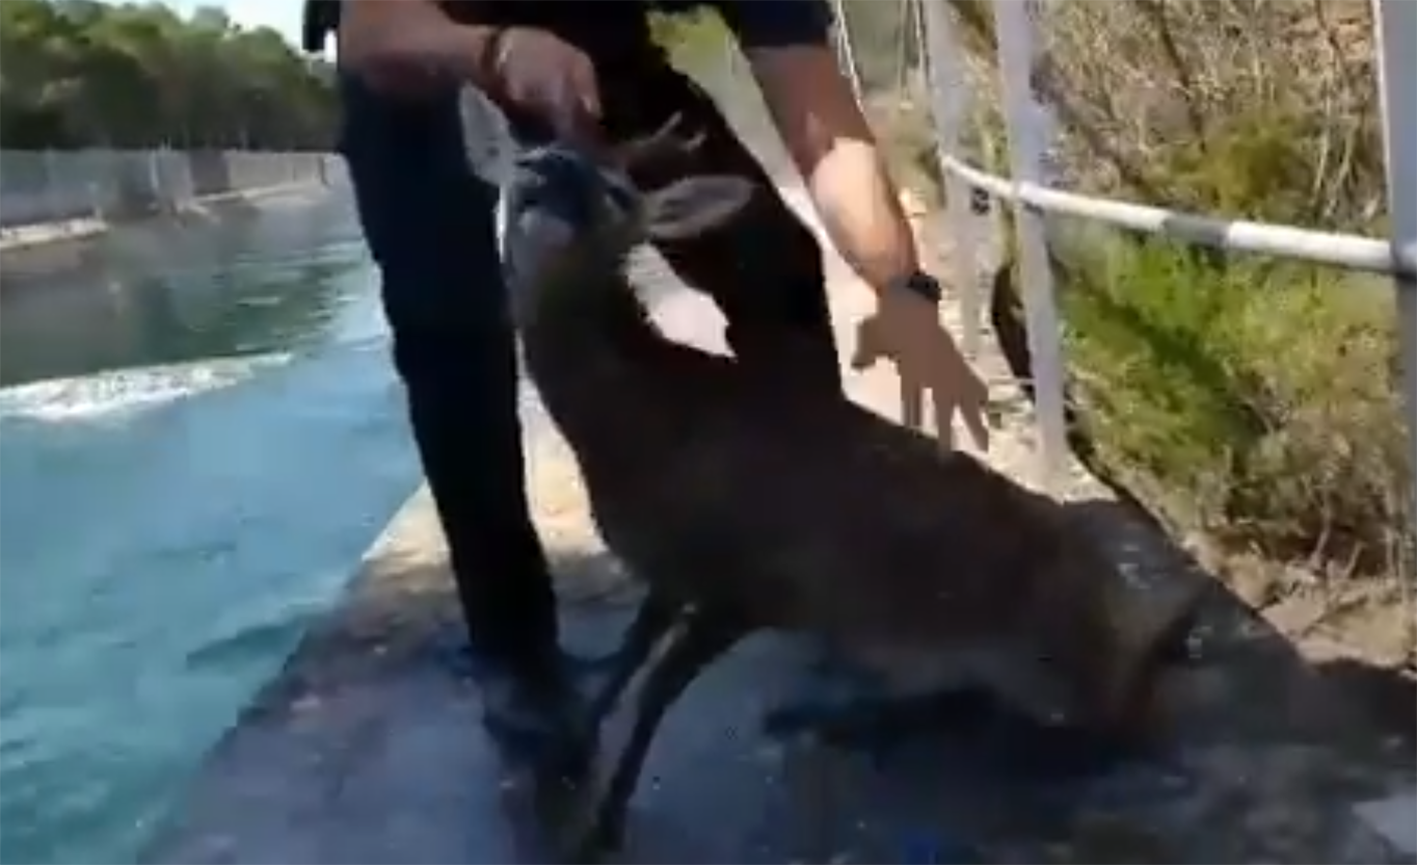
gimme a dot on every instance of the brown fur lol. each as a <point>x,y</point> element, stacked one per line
<point>759,508</point>
<point>792,514</point>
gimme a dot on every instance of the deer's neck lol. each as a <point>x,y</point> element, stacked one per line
<point>595,363</point>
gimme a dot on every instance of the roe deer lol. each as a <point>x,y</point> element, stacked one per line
<point>742,505</point>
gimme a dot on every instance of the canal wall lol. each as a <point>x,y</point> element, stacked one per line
<point>59,187</point>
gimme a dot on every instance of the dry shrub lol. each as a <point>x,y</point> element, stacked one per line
<point>1252,108</point>
<point>1255,108</point>
<point>1253,399</point>
<point>908,142</point>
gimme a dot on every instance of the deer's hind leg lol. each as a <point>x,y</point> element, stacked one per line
<point>654,619</point>
<point>705,636</point>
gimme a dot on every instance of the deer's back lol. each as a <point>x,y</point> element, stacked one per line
<point>822,516</point>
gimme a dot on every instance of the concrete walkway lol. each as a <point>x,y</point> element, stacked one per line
<point>367,749</point>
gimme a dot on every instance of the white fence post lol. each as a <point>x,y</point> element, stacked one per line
<point>1396,24</point>
<point>845,51</point>
<point>1014,25</point>
<point>154,159</point>
<point>949,105</point>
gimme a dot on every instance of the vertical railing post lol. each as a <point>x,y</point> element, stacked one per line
<point>949,106</point>
<point>154,159</point>
<point>1396,22</point>
<point>4,189</point>
<point>1015,28</point>
<point>845,51</point>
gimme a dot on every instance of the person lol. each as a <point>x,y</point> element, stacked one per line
<point>591,74</point>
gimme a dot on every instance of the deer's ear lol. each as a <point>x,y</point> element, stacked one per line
<point>695,205</point>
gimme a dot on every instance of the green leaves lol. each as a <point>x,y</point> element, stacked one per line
<point>1258,394</point>
<point>79,73</point>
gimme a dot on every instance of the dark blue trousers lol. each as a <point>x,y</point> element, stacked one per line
<point>429,222</point>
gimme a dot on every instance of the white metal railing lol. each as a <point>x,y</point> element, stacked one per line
<point>1015,28</point>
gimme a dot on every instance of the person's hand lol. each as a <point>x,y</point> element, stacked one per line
<point>549,78</point>
<point>906,330</point>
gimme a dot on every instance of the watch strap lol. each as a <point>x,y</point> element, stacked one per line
<point>921,284</point>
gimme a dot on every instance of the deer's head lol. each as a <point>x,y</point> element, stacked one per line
<point>569,219</point>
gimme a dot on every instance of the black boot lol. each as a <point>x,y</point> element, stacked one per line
<point>531,709</point>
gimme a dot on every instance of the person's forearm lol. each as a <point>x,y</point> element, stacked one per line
<point>861,212</point>
<point>817,115</point>
<point>399,34</point>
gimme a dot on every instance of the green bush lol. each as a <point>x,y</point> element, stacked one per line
<point>1250,400</point>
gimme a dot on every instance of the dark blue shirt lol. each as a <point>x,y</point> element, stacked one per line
<point>768,23</point>
<point>608,28</point>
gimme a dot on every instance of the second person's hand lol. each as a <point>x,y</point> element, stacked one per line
<point>551,79</point>
<point>906,330</point>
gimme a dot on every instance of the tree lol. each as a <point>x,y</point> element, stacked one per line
<point>78,73</point>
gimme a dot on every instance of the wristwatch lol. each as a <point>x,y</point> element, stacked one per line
<point>920,284</point>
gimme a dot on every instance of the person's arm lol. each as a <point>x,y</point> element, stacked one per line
<point>413,46</point>
<point>399,39</point>
<point>787,43</point>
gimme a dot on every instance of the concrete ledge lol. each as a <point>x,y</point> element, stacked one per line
<point>25,237</point>
<point>241,196</point>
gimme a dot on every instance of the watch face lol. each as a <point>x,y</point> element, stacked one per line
<point>979,201</point>
<point>925,286</point>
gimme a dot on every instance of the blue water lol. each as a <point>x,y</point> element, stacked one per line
<point>200,433</point>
